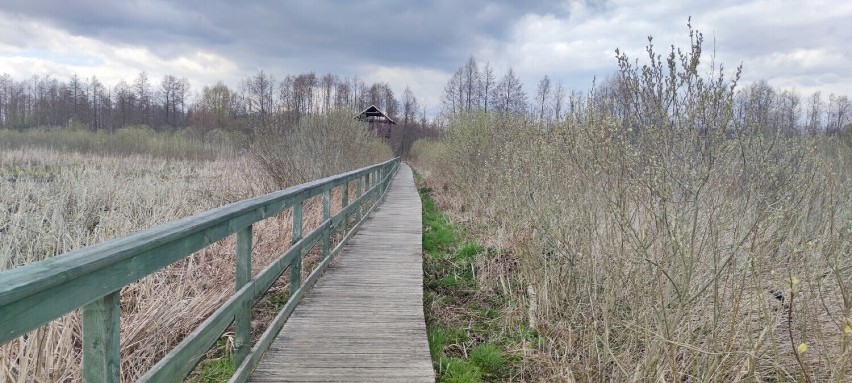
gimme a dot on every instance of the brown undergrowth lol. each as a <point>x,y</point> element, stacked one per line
<point>54,201</point>
<point>656,237</point>
<point>619,283</point>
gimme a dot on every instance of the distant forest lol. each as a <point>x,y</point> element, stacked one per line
<point>477,88</point>
<point>261,101</point>
<point>168,103</point>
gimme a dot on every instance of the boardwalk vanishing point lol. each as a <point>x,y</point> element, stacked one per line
<point>363,320</point>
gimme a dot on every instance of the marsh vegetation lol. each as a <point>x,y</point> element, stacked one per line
<point>668,227</point>
<point>669,224</point>
<point>54,199</point>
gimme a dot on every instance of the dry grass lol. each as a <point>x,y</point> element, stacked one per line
<point>636,268</point>
<point>343,141</point>
<point>660,234</point>
<point>139,140</point>
<point>52,202</point>
<point>113,197</point>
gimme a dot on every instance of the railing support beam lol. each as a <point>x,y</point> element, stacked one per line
<point>326,214</point>
<point>358,186</point>
<point>296,264</point>
<point>344,201</point>
<point>242,325</point>
<point>101,339</point>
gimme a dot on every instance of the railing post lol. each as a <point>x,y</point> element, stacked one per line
<point>326,214</point>
<point>358,195</point>
<point>242,325</point>
<point>344,202</point>
<point>382,180</point>
<point>367,191</point>
<point>374,177</point>
<point>101,339</point>
<point>296,263</point>
<point>371,179</point>
<point>385,173</point>
<point>366,181</point>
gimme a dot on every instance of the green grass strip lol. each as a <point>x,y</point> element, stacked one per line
<point>459,352</point>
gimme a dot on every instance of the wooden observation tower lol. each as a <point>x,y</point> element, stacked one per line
<point>378,122</point>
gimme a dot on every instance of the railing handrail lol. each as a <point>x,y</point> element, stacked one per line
<point>20,282</point>
<point>35,294</point>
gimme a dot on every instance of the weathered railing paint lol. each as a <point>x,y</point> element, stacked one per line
<point>91,277</point>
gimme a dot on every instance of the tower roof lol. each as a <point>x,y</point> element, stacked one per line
<point>373,114</point>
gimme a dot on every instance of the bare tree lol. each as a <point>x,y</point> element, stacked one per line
<point>5,89</point>
<point>98,109</point>
<point>814,113</point>
<point>258,91</point>
<point>216,108</point>
<point>450,102</point>
<point>509,95</point>
<point>558,101</point>
<point>790,108</point>
<point>838,113</point>
<point>381,95</point>
<point>542,98</point>
<point>181,94</point>
<point>362,98</point>
<point>75,88</point>
<point>168,86</point>
<point>342,94</point>
<point>470,84</point>
<point>389,100</point>
<point>487,84</point>
<point>142,92</point>
<point>327,83</point>
<point>409,115</point>
<point>125,101</point>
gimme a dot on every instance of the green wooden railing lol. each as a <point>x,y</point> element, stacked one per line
<point>92,277</point>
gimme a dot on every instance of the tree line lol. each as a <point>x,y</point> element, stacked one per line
<point>263,100</point>
<point>259,102</point>
<point>88,103</point>
<point>473,87</point>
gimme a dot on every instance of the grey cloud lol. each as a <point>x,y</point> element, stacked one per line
<point>344,37</point>
<point>432,34</point>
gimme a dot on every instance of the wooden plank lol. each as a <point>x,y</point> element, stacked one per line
<point>180,360</point>
<point>363,321</point>
<point>101,339</point>
<point>242,372</point>
<point>275,326</point>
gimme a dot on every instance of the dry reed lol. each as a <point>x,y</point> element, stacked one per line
<point>52,202</point>
<point>658,239</point>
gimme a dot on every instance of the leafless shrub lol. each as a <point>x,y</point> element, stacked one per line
<point>318,146</point>
<point>661,242</point>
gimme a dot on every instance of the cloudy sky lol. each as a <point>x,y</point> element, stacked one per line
<point>806,45</point>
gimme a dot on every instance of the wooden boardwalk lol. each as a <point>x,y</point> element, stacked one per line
<point>363,320</point>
